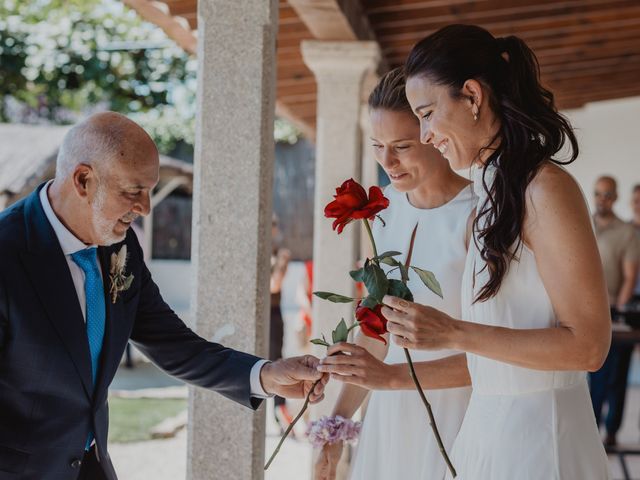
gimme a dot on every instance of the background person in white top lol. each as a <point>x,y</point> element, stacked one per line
<point>396,440</point>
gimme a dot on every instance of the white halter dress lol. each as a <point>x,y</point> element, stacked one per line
<point>396,440</point>
<point>522,424</point>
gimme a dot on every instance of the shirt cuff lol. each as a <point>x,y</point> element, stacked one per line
<point>256,385</point>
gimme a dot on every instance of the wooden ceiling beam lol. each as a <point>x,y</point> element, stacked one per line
<point>552,55</point>
<point>289,64</point>
<point>550,38</point>
<point>524,27</point>
<point>492,11</point>
<point>622,49</point>
<point>541,25</point>
<point>375,7</point>
<point>294,71</point>
<point>587,35</point>
<point>176,28</point>
<point>286,14</point>
<point>562,56</point>
<point>589,50</point>
<point>292,30</point>
<point>291,99</point>
<point>607,65</point>
<point>289,55</point>
<point>590,89</point>
<point>295,90</point>
<point>334,20</point>
<point>182,7</point>
<point>590,79</point>
<point>286,82</point>
<point>384,6</point>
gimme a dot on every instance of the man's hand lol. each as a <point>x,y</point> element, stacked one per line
<point>353,364</point>
<point>294,378</point>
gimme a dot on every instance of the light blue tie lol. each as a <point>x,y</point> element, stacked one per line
<point>95,308</point>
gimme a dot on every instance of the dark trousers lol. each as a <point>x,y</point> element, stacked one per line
<point>609,384</point>
<point>91,468</point>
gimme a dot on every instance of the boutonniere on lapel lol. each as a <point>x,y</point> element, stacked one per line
<point>120,282</point>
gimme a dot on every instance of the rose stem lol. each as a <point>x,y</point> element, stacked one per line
<point>373,243</point>
<point>432,420</point>
<point>414,377</point>
<point>291,425</point>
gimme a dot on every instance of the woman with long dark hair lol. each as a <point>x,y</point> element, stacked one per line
<point>535,309</point>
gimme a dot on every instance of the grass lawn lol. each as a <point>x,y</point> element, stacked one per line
<point>131,419</point>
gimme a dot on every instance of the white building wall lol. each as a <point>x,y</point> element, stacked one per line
<point>609,136</point>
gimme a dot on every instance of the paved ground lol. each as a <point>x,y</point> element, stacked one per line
<point>166,459</point>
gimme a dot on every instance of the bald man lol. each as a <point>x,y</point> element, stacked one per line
<point>74,290</point>
<point>619,251</point>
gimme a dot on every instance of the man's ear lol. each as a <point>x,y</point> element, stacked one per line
<point>83,176</point>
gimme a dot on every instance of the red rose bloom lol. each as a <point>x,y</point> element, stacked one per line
<point>372,322</point>
<point>351,203</point>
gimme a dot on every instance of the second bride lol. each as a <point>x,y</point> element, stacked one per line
<point>426,195</point>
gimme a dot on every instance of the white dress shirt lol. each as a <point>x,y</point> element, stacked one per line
<point>71,244</point>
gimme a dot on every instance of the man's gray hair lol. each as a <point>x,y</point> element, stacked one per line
<point>90,143</point>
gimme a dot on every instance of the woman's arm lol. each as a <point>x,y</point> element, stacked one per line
<point>351,395</point>
<point>349,400</point>
<point>558,230</point>
<point>359,368</point>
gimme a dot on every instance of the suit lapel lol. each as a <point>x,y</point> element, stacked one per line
<point>49,272</point>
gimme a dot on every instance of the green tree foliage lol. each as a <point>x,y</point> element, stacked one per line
<point>62,58</point>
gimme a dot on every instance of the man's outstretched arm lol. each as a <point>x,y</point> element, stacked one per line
<point>169,343</point>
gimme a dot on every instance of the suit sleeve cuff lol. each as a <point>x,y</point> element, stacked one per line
<point>257,390</point>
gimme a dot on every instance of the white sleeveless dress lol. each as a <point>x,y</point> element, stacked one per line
<point>522,424</point>
<point>396,440</point>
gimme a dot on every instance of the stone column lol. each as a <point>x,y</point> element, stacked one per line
<point>231,248</point>
<point>339,68</point>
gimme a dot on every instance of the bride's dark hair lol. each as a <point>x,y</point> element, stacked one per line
<point>531,129</point>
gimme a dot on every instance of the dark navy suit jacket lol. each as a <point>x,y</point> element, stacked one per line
<point>47,402</point>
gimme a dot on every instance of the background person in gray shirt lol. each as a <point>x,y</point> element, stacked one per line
<point>619,251</point>
<point>635,221</point>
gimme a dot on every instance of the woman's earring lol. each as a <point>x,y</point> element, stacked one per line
<point>474,111</point>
